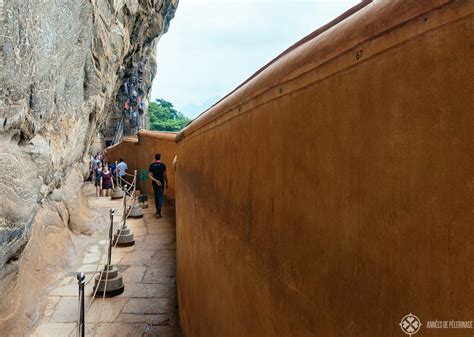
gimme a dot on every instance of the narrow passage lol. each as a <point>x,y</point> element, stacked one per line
<point>147,307</point>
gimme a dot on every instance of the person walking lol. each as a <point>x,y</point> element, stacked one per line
<point>91,171</point>
<point>112,167</point>
<point>107,181</point>
<point>121,168</point>
<point>98,179</point>
<point>95,161</point>
<point>100,156</point>
<point>157,174</point>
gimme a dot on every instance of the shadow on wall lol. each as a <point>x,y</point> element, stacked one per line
<point>333,190</point>
<point>139,152</point>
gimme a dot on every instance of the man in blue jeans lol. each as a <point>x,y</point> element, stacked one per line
<point>157,174</point>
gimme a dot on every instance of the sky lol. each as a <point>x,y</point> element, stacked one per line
<point>214,45</point>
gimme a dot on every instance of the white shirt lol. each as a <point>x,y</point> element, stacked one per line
<point>122,167</point>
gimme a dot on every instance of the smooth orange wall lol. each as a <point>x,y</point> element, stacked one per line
<point>139,152</point>
<point>127,150</point>
<point>334,199</point>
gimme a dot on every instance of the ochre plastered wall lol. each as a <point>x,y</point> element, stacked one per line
<point>332,196</point>
<point>127,150</point>
<point>139,152</point>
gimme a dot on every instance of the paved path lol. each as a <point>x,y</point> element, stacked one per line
<point>148,305</point>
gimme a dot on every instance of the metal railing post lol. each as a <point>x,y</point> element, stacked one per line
<point>117,176</point>
<point>109,259</point>
<point>135,180</point>
<point>81,277</point>
<point>125,206</point>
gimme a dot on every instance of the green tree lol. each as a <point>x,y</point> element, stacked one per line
<point>164,117</point>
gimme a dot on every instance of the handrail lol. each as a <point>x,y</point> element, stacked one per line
<point>119,227</point>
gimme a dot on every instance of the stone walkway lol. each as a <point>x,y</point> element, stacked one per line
<point>148,306</point>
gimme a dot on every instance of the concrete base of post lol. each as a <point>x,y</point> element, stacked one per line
<point>114,284</point>
<point>117,193</point>
<point>136,212</point>
<point>125,239</point>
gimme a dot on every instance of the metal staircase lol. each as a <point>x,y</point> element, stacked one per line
<point>118,132</point>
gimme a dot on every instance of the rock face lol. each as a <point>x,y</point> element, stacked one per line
<point>63,63</point>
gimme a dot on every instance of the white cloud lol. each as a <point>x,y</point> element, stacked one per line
<point>213,46</point>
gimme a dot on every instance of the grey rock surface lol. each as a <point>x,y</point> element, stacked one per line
<point>62,64</point>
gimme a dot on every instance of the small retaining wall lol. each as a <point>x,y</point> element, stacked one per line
<point>139,152</point>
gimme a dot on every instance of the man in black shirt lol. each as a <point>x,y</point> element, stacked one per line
<point>157,174</point>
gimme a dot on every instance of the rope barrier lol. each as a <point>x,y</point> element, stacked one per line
<point>122,220</point>
<point>124,215</point>
<point>116,172</point>
<point>103,299</point>
<point>128,190</point>
<point>133,199</point>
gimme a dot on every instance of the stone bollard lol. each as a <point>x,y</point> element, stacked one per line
<point>124,236</point>
<point>136,212</point>
<point>110,283</point>
<point>117,192</point>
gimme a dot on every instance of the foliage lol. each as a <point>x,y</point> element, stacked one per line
<point>164,117</point>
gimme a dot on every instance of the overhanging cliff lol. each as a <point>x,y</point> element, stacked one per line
<point>63,63</point>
